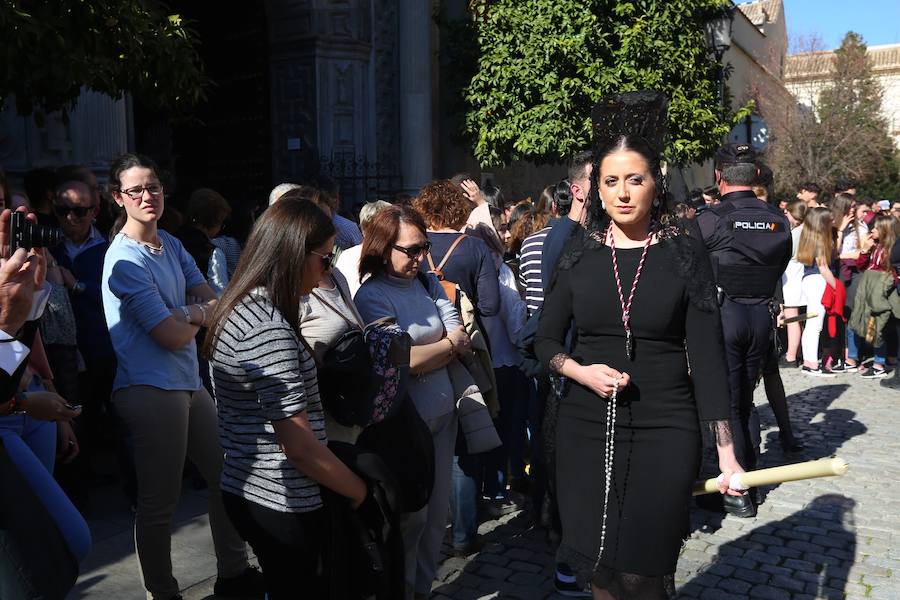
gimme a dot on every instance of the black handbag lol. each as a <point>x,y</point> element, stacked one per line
<point>363,376</point>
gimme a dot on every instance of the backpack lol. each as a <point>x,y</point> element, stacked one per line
<point>449,286</point>
<point>363,376</point>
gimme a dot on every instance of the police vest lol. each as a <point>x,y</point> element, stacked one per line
<point>755,240</point>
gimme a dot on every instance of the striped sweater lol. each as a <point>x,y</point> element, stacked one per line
<point>262,373</point>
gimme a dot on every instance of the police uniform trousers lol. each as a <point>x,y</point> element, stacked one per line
<point>748,334</point>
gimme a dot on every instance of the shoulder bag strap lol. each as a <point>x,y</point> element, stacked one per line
<point>349,303</point>
<point>446,256</point>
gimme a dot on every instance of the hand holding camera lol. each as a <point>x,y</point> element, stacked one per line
<point>22,265</point>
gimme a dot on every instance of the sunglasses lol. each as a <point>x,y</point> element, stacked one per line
<point>327,259</point>
<point>78,211</point>
<point>414,252</point>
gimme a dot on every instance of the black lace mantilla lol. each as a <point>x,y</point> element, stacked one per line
<point>688,255</point>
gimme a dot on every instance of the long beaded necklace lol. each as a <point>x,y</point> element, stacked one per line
<point>609,450</point>
<point>609,454</point>
<point>626,307</point>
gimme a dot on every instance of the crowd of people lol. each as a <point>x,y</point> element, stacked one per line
<point>342,385</point>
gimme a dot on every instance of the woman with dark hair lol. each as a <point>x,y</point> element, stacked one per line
<point>169,415</point>
<point>206,214</point>
<point>394,248</point>
<point>494,197</point>
<point>270,417</point>
<point>640,291</point>
<point>234,233</point>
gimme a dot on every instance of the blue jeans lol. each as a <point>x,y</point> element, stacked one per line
<point>853,349</point>
<point>464,499</point>
<point>31,446</point>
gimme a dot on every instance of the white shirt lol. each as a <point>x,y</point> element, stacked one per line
<point>13,353</point>
<point>851,240</point>
<point>348,264</point>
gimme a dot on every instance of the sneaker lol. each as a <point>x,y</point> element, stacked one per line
<point>816,372</point>
<point>873,373</point>
<point>842,367</point>
<point>249,584</point>
<point>566,583</point>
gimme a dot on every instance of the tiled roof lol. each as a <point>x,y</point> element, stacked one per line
<point>814,64</point>
<point>762,11</point>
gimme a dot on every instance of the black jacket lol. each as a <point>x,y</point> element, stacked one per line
<point>365,553</point>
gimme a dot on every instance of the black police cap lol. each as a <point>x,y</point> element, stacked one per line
<point>736,154</point>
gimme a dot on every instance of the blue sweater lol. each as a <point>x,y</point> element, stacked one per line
<point>554,244</point>
<point>139,288</point>
<point>90,324</point>
<point>471,267</point>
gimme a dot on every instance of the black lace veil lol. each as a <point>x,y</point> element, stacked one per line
<point>638,121</point>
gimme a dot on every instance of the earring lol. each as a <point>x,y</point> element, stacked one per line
<point>656,203</point>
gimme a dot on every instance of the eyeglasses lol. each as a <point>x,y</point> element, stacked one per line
<point>414,251</point>
<point>79,211</point>
<point>327,259</point>
<point>136,193</point>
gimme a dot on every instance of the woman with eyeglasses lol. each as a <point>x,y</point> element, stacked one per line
<point>393,251</point>
<point>147,279</point>
<point>466,261</point>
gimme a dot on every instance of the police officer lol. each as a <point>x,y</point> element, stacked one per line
<point>749,243</point>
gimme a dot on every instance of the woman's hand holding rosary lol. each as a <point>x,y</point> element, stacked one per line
<point>600,379</point>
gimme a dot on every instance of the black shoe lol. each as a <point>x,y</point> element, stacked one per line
<point>566,583</point>
<point>816,372</point>
<point>249,584</point>
<point>873,373</point>
<point>739,506</point>
<point>469,549</point>
<point>788,364</point>
<point>791,446</point>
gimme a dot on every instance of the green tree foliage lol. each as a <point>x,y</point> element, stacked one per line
<point>51,49</point>
<point>843,135</point>
<point>542,64</point>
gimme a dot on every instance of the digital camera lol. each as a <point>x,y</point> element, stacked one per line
<point>25,234</point>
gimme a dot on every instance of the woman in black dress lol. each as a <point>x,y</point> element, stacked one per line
<point>640,296</point>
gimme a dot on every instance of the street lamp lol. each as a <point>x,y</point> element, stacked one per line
<point>718,39</point>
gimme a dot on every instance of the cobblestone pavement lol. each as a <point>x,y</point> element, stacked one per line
<point>831,538</point>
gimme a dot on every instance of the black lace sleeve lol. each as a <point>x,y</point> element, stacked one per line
<point>721,430</point>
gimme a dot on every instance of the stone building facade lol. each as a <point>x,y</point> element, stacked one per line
<point>807,73</point>
<point>356,89</point>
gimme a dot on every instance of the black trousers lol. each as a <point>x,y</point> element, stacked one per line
<point>290,547</point>
<point>748,335</point>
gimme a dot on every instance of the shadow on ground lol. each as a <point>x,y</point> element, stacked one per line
<point>808,554</point>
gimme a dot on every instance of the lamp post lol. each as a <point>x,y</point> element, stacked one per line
<point>718,39</point>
